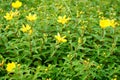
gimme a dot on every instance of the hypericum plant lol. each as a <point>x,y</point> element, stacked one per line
<point>63,19</point>
<point>60,39</point>
<point>31,17</point>
<point>106,23</point>
<point>17,4</point>
<point>38,43</point>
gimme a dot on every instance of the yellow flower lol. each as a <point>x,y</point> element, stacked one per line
<point>86,62</point>
<point>16,4</point>
<point>60,39</point>
<point>112,23</point>
<point>31,17</point>
<point>114,78</point>
<point>99,66</point>
<point>25,28</point>
<point>14,13</point>
<point>105,23</point>
<point>30,31</point>
<point>10,66</point>
<point>63,19</point>
<point>79,40</point>
<point>81,12</point>
<point>8,16</point>
<point>48,79</point>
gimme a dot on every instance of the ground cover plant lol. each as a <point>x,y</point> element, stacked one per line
<point>59,40</point>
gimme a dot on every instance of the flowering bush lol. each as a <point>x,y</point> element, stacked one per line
<point>59,40</point>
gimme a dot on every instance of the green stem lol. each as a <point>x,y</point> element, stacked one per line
<point>103,34</point>
<point>67,7</point>
<point>30,45</point>
<point>56,47</point>
<point>36,73</point>
<point>114,42</point>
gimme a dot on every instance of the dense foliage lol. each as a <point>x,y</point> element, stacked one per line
<point>60,40</point>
